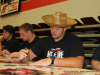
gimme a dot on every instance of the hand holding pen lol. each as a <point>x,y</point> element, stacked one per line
<point>22,54</point>
<point>27,50</point>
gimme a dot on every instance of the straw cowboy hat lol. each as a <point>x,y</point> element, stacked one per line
<point>59,19</point>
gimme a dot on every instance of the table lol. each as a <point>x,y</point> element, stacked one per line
<point>14,66</point>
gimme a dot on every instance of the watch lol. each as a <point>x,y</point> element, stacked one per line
<point>53,58</point>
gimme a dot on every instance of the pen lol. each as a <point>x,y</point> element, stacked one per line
<point>5,52</point>
<point>26,49</point>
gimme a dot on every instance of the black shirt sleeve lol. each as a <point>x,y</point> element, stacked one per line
<point>37,48</point>
<point>76,47</point>
<point>96,54</point>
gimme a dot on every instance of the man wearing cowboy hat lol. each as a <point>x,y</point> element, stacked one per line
<point>61,48</point>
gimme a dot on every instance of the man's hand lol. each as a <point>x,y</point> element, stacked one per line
<point>1,37</point>
<point>42,62</point>
<point>22,54</point>
<point>5,52</point>
<point>14,54</point>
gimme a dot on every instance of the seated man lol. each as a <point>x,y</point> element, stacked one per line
<point>96,59</point>
<point>61,48</point>
<point>8,42</point>
<point>29,39</point>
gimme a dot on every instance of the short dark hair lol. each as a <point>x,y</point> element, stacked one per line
<point>27,27</point>
<point>10,29</point>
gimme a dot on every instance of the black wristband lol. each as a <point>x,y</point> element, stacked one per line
<point>53,58</point>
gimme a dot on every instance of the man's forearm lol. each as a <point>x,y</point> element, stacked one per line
<point>26,59</point>
<point>70,62</point>
<point>95,65</point>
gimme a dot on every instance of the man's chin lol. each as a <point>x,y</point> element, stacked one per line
<point>54,37</point>
<point>24,40</point>
<point>4,38</point>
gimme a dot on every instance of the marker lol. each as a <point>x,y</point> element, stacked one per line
<point>26,49</point>
<point>5,53</point>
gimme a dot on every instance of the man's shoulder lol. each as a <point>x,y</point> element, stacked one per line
<point>37,38</point>
<point>24,42</point>
<point>47,38</point>
<point>15,40</point>
<point>70,35</point>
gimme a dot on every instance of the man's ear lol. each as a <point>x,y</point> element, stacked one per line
<point>29,32</point>
<point>65,28</point>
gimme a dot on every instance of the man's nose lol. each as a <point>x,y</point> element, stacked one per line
<point>53,30</point>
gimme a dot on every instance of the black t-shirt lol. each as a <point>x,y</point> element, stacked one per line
<point>96,54</point>
<point>27,46</point>
<point>69,46</point>
<point>12,45</point>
